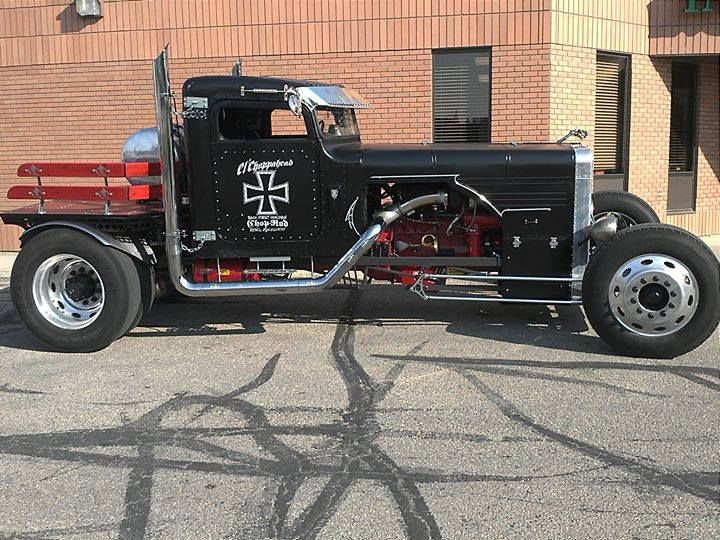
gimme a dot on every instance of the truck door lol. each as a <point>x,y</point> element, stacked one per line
<point>265,173</point>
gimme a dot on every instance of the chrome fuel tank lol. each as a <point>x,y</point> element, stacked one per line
<point>143,145</point>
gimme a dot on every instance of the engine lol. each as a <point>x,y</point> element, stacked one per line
<point>469,233</point>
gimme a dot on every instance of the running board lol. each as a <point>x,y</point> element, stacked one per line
<point>426,287</point>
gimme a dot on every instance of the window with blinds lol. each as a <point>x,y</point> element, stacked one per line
<point>611,113</point>
<point>682,117</point>
<point>683,143</point>
<point>461,95</point>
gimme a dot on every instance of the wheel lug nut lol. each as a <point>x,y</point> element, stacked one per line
<point>635,289</point>
<point>662,313</point>
<point>643,281</point>
<point>671,305</point>
<point>651,316</point>
<point>639,310</point>
<point>673,294</point>
<point>633,301</point>
<point>655,278</point>
<point>667,284</point>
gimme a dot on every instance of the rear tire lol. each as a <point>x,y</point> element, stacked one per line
<point>73,293</point>
<point>674,310</point>
<point>630,209</point>
<point>146,275</point>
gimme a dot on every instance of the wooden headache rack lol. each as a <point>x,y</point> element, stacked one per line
<point>105,193</point>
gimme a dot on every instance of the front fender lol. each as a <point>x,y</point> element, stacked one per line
<point>134,248</point>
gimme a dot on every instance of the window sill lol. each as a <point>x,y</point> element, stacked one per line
<point>680,212</point>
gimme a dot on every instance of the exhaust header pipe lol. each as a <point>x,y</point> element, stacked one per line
<point>173,247</point>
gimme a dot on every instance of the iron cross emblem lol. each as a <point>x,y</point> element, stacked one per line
<point>266,193</point>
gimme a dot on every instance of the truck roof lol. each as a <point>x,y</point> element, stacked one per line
<point>221,85</point>
<point>312,93</point>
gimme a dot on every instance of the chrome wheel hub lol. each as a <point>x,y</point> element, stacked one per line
<point>68,291</point>
<point>653,295</point>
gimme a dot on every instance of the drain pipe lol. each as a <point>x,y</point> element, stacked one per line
<point>173,247</point>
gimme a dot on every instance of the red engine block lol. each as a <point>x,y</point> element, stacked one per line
<point>444,236</point>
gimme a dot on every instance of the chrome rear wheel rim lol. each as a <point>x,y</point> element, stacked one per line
<point>653,295</point>
<point>68,291</point>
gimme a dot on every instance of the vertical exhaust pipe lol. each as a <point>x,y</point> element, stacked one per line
<point>173,248</point>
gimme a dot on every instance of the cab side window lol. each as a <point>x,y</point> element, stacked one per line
<point>252,124</point>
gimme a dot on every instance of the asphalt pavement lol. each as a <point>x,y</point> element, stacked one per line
<point>356,414</point>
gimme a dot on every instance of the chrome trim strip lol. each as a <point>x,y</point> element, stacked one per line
<point>502,300</point>
<point>476,277</point>
<point>526,210</point>
<point>582,215</point>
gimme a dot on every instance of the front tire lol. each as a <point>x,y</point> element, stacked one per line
<point>73,293</point>
<point>653,291</point>
<point>629,209</point>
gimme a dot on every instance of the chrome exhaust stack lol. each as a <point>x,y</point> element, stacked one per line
<point>173,246</point>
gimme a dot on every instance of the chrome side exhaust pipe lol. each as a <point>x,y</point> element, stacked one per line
<point>173,247</point>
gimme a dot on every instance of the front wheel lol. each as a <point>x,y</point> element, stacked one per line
<point>653,291</point>
<point>72,292</point>
<point>629,209</point>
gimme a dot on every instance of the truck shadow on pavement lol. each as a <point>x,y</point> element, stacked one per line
<point>552,327</point>
<point>351,451</point>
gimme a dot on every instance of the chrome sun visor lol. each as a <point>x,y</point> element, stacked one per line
<point>331,96</point>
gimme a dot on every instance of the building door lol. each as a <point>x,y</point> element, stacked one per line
<point>682,177</point>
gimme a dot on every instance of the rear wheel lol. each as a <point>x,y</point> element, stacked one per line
<point>629,209</point>
<point>74,293</point>
<point>146,274</point>
<point>653,291</point>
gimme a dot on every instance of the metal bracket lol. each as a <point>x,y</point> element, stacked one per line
<point>577,132</point>
<point>195,107</point>
<point>204,236</point>
<point>553,242</point>
<point>516,242</point>
<point>191,102</point>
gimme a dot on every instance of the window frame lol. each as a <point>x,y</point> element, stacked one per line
<point>624,175</point>
<point>218,106</point>
<point>451,50</point>
<point>696,143</point>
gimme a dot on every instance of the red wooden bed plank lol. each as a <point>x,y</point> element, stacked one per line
<point>89,169</point>
<point>86,193</point>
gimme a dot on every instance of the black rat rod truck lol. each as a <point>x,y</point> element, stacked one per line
<point>266,188</point>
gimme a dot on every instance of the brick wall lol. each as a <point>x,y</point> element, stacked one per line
<point>650,129</point>
<point>572,91</point>
<point>520,93</point>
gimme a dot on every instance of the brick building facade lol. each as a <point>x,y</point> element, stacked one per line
<point>73,88</point>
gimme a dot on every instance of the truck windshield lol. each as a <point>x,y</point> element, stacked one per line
<point>335,123</point>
